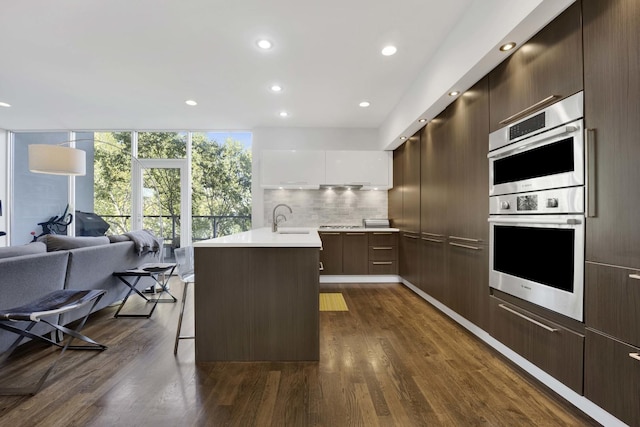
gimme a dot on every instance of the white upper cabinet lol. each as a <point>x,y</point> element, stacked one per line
<point>310,169</point>
<point>293,169</point>
<point>371,169</point>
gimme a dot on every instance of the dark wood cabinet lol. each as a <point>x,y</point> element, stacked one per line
<point>331,253</point>
<point>468,281</point>
<point>409,257</point>
<point>612,376</point>
<point>433,267</point>
<point>355,253</point>
<point>411,185</point>
<point>434,182</point>
<point>468,165</point>
<point>612,110</point>
<point>383,252</point>
<point>395,193</point>
<point>548,345</point>
<point>549,64</point>
<point>612,301</point>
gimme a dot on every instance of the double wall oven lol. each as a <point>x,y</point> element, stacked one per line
<point>536,207</point>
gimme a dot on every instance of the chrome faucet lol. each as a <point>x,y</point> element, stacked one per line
<point>274,226</point>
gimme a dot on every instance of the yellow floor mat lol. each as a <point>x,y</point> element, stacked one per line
<point>332,302</point>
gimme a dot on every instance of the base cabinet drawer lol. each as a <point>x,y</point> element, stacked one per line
<point>383,267</point>
<point>612,301</point>
<point>383,253</point>
<point>551,347</point>
<point>383,238</point>
<point>612,376</point>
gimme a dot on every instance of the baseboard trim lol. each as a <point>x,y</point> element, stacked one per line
<point>580,402</point>
<point>360,279</point>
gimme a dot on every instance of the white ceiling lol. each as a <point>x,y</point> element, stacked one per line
<point>123,64</point>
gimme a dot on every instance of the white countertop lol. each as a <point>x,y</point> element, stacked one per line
<point>288,237</point>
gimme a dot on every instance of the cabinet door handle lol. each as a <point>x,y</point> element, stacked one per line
<point>634,356</point>
<point>355,234</point>
<point>465,239</point>
<point>321,268</point>
<point>329,234</point>
<point>590,136</point>
<point>382,248</point>
<point>382,234</point>
<point>432,234</point>
<point>475,248</point>
<point>526,111</point>
<point>410,236</point>
<point>527,318</point>
<point>428,239</point>
<point>382,262</point>
<point>634,276</point>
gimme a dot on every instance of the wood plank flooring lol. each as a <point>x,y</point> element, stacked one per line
<point>391,360</point>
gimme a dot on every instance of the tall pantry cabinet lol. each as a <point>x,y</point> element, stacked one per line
<point>612,117</point>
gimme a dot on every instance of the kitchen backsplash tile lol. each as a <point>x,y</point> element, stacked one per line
<point>312,208</point>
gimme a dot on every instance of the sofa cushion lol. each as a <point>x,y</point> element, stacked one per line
<point>28,249</point>
<point>55,242</point>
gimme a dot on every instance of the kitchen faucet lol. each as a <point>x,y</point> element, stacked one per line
<point>274,226</point>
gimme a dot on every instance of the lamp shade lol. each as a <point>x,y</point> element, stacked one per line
<point>56,160</point>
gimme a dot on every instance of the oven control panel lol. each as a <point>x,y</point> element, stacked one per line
<point>558,201</point>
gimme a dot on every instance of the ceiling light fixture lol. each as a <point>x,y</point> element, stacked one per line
<point>507,46</point>
<point>264,44</point>
<point>284,114</point>
<point>4,104</point>
<point>454,93</point>
<point>403,138</point>
<point>422,120</point>
<point>364,104</point>
<point>389,50</point>
<point>191,102</point>
<point>276,88</point>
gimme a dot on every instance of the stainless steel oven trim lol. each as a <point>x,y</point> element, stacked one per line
<point>567,303</point>
<point>567,179</point>
<point>566,110</point>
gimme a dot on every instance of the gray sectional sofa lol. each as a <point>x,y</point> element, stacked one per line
<point>26,277</point>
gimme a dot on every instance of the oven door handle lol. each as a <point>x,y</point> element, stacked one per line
<point>534,140</point>
<point>570,221</point>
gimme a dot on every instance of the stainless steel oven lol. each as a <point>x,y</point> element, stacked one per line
<point>537,202</point>
<point>540,152</point>
<point>537,255</point>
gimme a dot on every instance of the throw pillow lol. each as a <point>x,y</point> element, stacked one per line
<point>118,238</point>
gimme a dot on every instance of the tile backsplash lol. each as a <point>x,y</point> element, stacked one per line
<point>312,208</point>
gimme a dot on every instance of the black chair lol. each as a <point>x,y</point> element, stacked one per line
<point>53,304</point>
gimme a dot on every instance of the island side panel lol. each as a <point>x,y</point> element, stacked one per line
<point>256,304</point>
<point>286,304</point>
<point>223,303</point>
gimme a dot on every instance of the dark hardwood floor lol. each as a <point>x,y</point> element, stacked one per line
<point>392,360</point>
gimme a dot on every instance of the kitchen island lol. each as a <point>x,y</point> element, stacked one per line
<point>256,296</point>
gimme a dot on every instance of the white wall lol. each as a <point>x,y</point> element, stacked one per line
<point>4,184</point>
<point>301,139</point>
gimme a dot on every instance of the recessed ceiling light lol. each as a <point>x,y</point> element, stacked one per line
<point>403,138</point>
<point>389,50</point>
<point>4,104</point>
<point>507,46</point>
<point>264,44</point>
<point>190,102</point>
<point>364,104</point>
<point>454,93</point>
<point>422,120</point>
<point>276,88</point>
<point>284,114</point>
